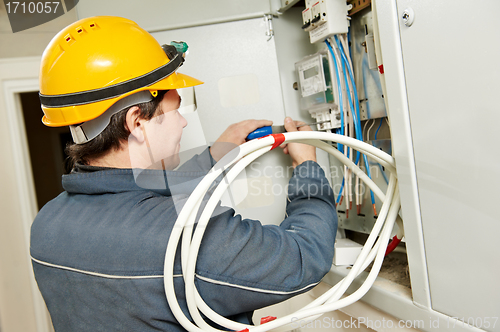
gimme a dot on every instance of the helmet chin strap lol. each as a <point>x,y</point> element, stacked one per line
<point>89,130</point>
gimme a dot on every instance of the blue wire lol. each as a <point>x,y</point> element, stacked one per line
<point>342,186</point>
<point>355,112</point>
<point>340,192</point>
<point>340,147</point>
<point>383,173</point>
<point>343,178</point>
<point>351,105</point>
<point>378,128</point>
<point>358,122</point>
<point>340,91</point>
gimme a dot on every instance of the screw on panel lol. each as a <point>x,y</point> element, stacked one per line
<point>408,17</point>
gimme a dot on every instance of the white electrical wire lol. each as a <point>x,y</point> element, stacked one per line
<point>368,132</point>
<point>240,158</point>
<point>345,45</point>
<point>364,129</point>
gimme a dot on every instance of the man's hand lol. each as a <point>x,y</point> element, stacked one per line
<point>299,152</point>
<point>235,135</point>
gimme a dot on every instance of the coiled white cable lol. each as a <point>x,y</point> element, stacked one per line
<point>240,158</point>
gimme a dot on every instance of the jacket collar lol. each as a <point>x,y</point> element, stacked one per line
<point>117,180</point>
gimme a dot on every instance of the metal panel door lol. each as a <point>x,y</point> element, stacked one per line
<point>451,66</point>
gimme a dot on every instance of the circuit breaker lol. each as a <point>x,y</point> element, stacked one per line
<point>325,18</point>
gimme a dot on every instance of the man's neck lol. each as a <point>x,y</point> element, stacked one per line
<point>115,159</point>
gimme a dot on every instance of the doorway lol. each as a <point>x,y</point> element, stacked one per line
<point>46,149</point>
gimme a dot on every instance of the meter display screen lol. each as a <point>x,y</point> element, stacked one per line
<point>311,72</point>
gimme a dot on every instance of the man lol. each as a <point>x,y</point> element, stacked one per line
<point>98,248</point>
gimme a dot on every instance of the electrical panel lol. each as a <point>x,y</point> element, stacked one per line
<point>329,91</point>
<point>431,181</point>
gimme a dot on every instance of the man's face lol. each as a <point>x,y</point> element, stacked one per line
<point>162,134</point>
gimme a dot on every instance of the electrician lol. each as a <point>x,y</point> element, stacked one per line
<point>98,248</point>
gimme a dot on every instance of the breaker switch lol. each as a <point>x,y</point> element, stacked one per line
<point>306,19</point>
<point>318,13</point>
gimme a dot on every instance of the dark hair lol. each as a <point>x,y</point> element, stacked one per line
<point>111,137</point>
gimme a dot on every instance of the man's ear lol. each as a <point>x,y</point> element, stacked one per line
<point>134,123</point>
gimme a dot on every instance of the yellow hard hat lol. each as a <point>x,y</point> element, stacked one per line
<point>97,61</point>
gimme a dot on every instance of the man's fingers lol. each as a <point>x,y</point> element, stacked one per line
<point>259,124</point>
<point>250,125</point>
<point>290,125</point>
<point>263,123</point>
<point>305,128</point>
<point>243,128</point>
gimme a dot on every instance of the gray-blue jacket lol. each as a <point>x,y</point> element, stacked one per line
<point>98,250</point>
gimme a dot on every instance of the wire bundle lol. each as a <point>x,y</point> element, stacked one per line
<point>346,84</point>
<point>231,165</point>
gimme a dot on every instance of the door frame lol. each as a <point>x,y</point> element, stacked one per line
<point>18,75</point>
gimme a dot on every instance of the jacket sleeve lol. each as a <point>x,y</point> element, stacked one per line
<point>243,265</point>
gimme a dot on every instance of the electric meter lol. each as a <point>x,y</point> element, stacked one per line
<point>314,80</point>
<point>315,85</point>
